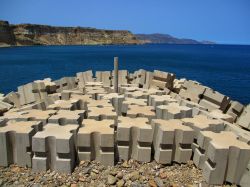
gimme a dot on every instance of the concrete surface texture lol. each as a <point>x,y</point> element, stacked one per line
<point>149,116</point>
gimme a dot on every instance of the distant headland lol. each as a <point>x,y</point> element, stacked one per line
<point>33,34</point>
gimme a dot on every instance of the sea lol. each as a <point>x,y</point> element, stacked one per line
<point>225,68</point>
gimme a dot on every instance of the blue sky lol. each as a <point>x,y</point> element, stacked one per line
<point>223,21</point>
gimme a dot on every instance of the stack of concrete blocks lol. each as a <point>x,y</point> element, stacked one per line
<point>65,117</point>
<point>94,91</point>
<point>116,100</point>
<point>135,111</point>
<point>203,123</point>
<point>95,141</point>
<point>192,91</point>
<point>83,77</point>
<point>104,76</point>
<point>31,115</point>
<point>132,101</point>
<point>134,138</point>
<point>156,100</point>
<point>235,109</point>
<point>65,83</point>
<point>195,106</point>
<point>54,148</point>
<point>178,84</point>
<point>172,141</point>
<point>221,156</point>
<point>15,142</point>
<point>214,100</point>
<point>100,109</point>
<point>162,80</point>
<point>244,119</point>
<point>122,77</point>
<point>173,111</point>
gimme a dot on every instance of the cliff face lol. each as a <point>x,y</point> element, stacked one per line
<point>6,35</point>
<point>29,34</point>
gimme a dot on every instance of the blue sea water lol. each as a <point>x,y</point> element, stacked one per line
<point>225,68</point>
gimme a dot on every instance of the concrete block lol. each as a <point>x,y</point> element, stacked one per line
<point>4,107</point>
<point>139,77</point>
<point>132,101</point>
<point>94,91</point>
<point>173,111</point>
<point>134,139</point>
<point>15,142</point>
<point>203,123</point>
<point>64,105</point>
<point>135,111</point>
<point>12,98</point>
<point>64,117</point>
<point>235,109</point>
<point>149,77</point>
<point>30,115</point>
<point>217,114</point>
<point>156,100</point>
<point>214,100</point>
<point>144,93</point>
<point>115,99</point>
<point>244,119</point>
<point>104,77</point>
<point>50,86</point>
<point>65,83</point>
<point>66,94</point>
<point>54,148</point>
<point>221,156</point>
<point>178,84</point>
<point>95,141</point>
<point>162,80</point>
<point>172,141</point>
<point>122,78</point>
<point>100,113</point>
<point>192,91</point>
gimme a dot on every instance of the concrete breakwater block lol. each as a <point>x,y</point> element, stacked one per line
<point>221,156</point>
<point>172,141</point>
<point>173,111</point>
<point>54,148</point>
<point>15,142</point>
<point>151,115</point>
<point>134,138</point>
<point>95,141</point>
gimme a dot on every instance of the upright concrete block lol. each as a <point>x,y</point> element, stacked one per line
<point>116,74</point>
<point>134,139</point>
<point>173,111</point>
<point>172,141</point>
<point>12,98</point>
<point>235,109</point>
<point>15,142</point>
<point>54,148</point>
<point>162,80</point>
<point>221,156</point>
<point>95,141</point>
<point>104,77</point>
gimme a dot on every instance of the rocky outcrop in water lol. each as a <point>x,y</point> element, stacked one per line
<point>31,34</point>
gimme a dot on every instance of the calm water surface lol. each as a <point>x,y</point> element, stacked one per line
<point>225,68</point>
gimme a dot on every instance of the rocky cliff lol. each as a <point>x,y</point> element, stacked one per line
<point>30,34</point>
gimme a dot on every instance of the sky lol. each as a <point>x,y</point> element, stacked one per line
<point>222,21</point>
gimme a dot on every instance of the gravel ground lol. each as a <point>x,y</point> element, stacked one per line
<point>131,173</point>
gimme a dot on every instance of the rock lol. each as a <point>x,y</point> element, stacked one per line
<point>134,176</point>
<point>119,175</point>
<point>158,181</point>
<point>120,183</point>
<point>111,180</point>
<point>125,164</point>
<point>87,170</point>
<point>163,175</point>
<point>82,179</point>
<point>152,183</point>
